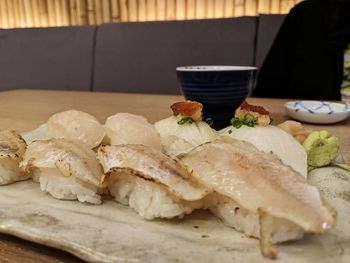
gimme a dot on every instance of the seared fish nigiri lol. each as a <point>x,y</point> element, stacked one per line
<point>149,181</point>
<point>258,194</point>
<point>65,168</point>
<point>12,148</point>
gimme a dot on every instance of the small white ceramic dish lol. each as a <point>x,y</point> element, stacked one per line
<point>317,111</point>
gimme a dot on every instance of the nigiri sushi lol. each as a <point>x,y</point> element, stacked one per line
<point>271,139</point>
<point>66,169</point>
<point>185,129</point>
<point>12,148</point>
<point>260,196</point>
<point>78,125</point>
<point>151,183</point>
<point>126,128</point>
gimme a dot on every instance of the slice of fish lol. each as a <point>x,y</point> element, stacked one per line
<point>11,145</point>
<point>151,164</point>
<point>271,139</point>
<point>178,139</point>
<point>126,128</point>
<point>257,180</point>
<point>70,157</point>
<point>267,189</point>
<point>77,125</point>
<point>12,148</point>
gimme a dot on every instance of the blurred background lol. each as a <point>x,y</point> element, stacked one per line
<point>52,13</point>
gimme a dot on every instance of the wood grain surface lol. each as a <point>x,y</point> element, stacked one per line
<point>23,110</point>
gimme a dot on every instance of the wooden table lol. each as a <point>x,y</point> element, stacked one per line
<point>25,109</point>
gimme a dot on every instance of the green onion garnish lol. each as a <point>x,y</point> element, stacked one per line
<point>185,120</point>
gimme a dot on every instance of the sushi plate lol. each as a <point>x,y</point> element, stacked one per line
<point>114,233</point>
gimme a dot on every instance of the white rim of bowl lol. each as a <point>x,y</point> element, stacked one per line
<point>290,107</point>
<point>214,68</point>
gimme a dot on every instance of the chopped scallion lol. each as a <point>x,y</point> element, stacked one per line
<point>185,120</point>
<point>250,122</point>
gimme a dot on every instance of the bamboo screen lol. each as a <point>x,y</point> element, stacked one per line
<point>44,13</point>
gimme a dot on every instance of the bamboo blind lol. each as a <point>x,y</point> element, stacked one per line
<point>46,13</point>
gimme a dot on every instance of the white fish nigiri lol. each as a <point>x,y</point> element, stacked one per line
<point>40,133</point>
<point>126,128</point>
<point>12,148</point>
<point>263,186</point>
<point>65,168</point>
<point>271,139</point>
<point>76,125</point>
<point>178,139</point>
<point>149,182</point>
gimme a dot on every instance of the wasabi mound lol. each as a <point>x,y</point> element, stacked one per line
<point>322,148</point>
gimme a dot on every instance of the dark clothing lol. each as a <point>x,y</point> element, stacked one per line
<point>306,58</point>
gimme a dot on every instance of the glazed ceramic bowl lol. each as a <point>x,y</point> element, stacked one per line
<point>319,112</point>
<point>221,89</point>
